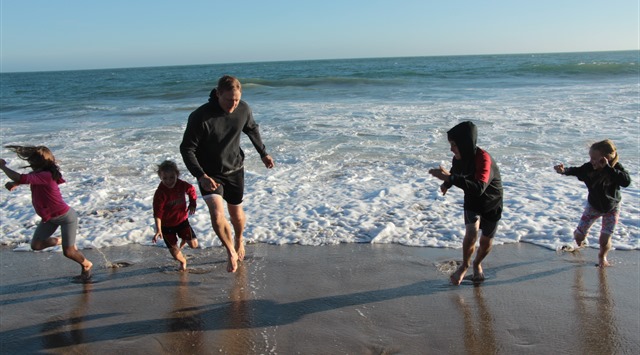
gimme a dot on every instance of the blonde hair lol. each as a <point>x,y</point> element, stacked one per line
<point>38,157</point>
<point>608,150</point>
<point>228,83</point>
<point>168,166</point>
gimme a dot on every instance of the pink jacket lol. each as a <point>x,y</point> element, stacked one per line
<point>45,194</point>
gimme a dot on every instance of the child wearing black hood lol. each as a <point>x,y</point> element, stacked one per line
<point>477,174</point>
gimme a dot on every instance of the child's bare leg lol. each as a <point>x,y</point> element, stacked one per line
<point>47,243</point>
<point>579,238</point>
<point>177,254</point>
<point>484,250</point>
<point>74,254</point>
<point>193,243</point>
<point>468,247</point>
<point>182,243</point>
<point>605,246</point>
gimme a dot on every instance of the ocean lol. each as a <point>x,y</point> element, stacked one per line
<point>352,139</point>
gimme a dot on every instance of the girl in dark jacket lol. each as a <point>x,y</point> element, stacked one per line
<point>604,176</point>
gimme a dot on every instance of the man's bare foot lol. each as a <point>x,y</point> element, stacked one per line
<point>478,274</point>
<point>86,270</point>
<point>603,262</point>
<point>240,249</point>
<point>456,277</point>
<point>232,265</point>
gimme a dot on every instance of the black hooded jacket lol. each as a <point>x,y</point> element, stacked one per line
<point>477,174</point>
<point>604,184</point>
<point>211,141</point>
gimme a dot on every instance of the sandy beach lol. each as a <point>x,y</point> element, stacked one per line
<point>340,299</point>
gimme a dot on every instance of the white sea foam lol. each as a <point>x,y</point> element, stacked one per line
<point>353,172</point>
<point>351,157</point>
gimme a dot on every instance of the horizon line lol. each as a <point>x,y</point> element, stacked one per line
<point>309,60</point>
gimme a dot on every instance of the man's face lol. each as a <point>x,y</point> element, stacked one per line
<point>229,100</point>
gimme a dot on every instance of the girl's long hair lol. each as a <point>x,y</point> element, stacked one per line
<point>608,149</point>
<point>39,158</point>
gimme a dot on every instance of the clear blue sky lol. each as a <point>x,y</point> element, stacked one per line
<point>85,34</point>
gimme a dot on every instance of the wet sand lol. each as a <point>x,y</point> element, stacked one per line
<point>341,299</point>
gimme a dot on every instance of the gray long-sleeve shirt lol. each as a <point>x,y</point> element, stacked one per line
<point>211,141</point>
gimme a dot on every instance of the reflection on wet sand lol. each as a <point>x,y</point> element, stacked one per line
<point>237,339</point>
<point>597,325</point>
<point>69,331</point>
<point>478,337</point>
<point>184,326</point>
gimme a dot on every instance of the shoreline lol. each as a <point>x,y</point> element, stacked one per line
<point>347,298</point>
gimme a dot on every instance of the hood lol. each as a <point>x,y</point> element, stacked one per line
<point>464,135</point>
<point>212,95</point>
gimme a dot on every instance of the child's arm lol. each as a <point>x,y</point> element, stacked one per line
<point>619,175</point>
<point>158,234</point>
<point>559,168</point>
<point>13,175</point>
<point>191,192</point>
<point>444,175</point>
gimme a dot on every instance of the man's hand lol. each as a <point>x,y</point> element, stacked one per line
<point>268,161</point>
<point>208,183</point>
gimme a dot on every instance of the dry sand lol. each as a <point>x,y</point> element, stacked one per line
<point>342,299</point>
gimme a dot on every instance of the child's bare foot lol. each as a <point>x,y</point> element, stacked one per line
<point>86,270</point>
<point>59,240</point>
<point>456,277</point>
<point>580,240</point>
<point>183,266</point>
<point>240,249</point>
<point>232,265</point>
<point>478,274</point>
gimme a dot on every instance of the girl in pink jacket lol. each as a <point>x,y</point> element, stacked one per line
<point>48,203</point>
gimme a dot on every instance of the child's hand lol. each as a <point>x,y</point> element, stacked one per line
<point>440,173</point>
<point>156,237</point>
<point>3,163</point>
<point>11,185</point>
<point>559,168</point>
<point>444,189</point>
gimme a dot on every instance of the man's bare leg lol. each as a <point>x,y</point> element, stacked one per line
<point>222,229</point>
<point>605,246</point>
<point>468,247</point>
<point>483,251</point>
<point>238,220</point>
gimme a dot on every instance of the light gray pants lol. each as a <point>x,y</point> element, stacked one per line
<point>68,224</point>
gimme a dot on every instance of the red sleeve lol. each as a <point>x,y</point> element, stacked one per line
<point>191,192</point>
<point>483,166</point>
<point>159,200</point>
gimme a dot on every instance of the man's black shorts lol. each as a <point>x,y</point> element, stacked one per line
<point>231,187</point>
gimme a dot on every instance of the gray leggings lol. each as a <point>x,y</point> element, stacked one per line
<point>69,226</point>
